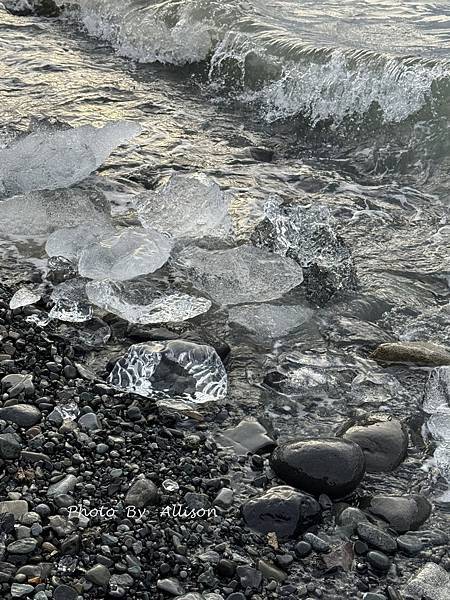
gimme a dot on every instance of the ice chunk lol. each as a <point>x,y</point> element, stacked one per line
<point>24,297</point>
<point>39,213</point>
<point>71,304</point>
<point>125,255</point>
<point>71,241</point>
<point>270,321</point>
<point>305,234</point>
<point>240,275</point>
<point>172,369</point>
<point>437,391</point>
<point>431,582</point>
<point>145,302</point>
<point>442,460</point>
<point>40,320</point>
<point>47,160</point>
<point>94,333</point>
<point>191,206</point>
<point>439,426</point>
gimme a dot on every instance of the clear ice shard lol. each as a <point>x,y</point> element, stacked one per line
<point>47,160</point>
<point>306,234</point>
<point>187,206</point>
<point>143,302</point>
<point>71,241</point>
<point>125,255</point>
<point>24,297</point>
<point>71,304</point>
<point>239,275</point>
<point>40,213</point>
<point>269,321</point>
<point>437,391</point>
<point>173,369</point>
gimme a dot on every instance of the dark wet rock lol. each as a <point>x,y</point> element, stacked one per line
<point>170,586</point>
<point>10,446</point>
<point>7,523</point>
<point>403,513</point>
<point>271,572</point>
<point>351,517</point>
<point>303,549</point>
<point>317,543</point>
<point>409,544</point>
<point>261,154</point>
<point>377,538</point>
<point>282,510</point>
<point>142,493</point>
<point>383,439</point>
<point>16,384</point>
<point>320,466</point>
<point>89,422</point>
<point>249,577</point>
<point>23,415</point>
<point>249,436</point>
<point>431,582</point>
<point>99,575</point>
<point>65,592</point>
<point>41,8</point>
<point>23,546</point>
<point>378,560</point>
<point>421,353</point>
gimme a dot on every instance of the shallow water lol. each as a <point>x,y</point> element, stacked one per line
<point>353,99</point>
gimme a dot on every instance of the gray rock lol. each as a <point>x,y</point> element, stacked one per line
<point>89,422</point>
<point>249,577</point>
<point>65,592</point>
<point>142,493</point>
<point>99,575</point>
<point>23,415</point>
<point>271,572</point>
<point>171,586</point>
<point>379,561</point>
<point>23,546</point>
<point>431,581</point>
<point>64,486</point>
<point>351,517</point>
<point>15,507</point>
<point>318,544</point>
<point>422,353</point>
<point>19,590</point>
<point>376,537</point>
<point>224,498</point>
<point>403,513</point>
<point>10,447</point>
<point>16,384</point>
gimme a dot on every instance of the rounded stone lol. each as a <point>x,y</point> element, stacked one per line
<point>23,415</point>
<point>378,560</point>
<point>383,439</point>
<point>64,592</point>
<point>320,466</point>
<point>282,510</point>
<point>403,513</point>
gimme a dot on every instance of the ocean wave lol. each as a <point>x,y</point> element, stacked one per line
<point>267,66</point>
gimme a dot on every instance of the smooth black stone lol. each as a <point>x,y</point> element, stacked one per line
<point>226,568</point>
<point>303,549</point>
<point>383,439</point>
<point>23,415</point>
<point>282,510</point>
<point>10,447</point>
<point>378,560</point>
<point>329,466</point>
<point>403,513</point>
<point>376,537</point>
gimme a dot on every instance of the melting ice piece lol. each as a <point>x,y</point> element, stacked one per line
<point>71,304</point>
<point>187,206</point>
<point>92,334</point>
<point>442,460</point>
<point>24,297</point>
<point>143,302</point>
<point>39,213</point>
<point>125,255</point>
<point>174,369</point>
<point>71,241</point>
<point>270,321</point>
<point>437,391</point>
<point>240,275</point>
<point>68,411</point>
<point>305,234</point>
<point>439,426</point>
<point>47,160</point>
<point>41,320</point>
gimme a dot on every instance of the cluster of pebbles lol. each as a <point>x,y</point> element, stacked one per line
<point>102,495</point>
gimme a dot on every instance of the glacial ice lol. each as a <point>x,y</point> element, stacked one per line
<point>239,275</point>
<point>94,333</point>
<point>437,391</point>
<point>47,160</point>
<point>191,206</point>
<point>173,369</point>
<point>24,297</point>
<point>305,234</point>
<point>269,321</point>
<point>71,241</point>
<point>439,426</point>
<point>144,302</point>
<point>125,255</point>
<point>71,304</point>
<point>38,213</point>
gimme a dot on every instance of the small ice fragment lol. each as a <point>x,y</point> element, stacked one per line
<point>71,304</point>
<point>47,160</point>
<point>191,206</point>
<point>172,369</point>
<point>439,426</point>
<point>270,321</point>
<point>240,275</point>
<point>144,303</point>
<point>41,320</point>
<point>39,213</point>
<point>69,411</point>
<point>437,391</point>
<point>94,333</point>
<point>24,297</point>
<point>71,241</point>
<point>125,255</point>
<point>170,486</point>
